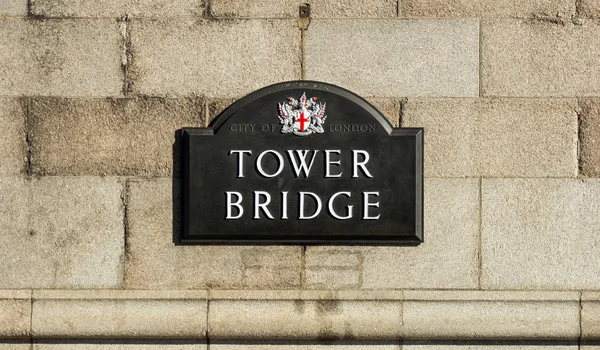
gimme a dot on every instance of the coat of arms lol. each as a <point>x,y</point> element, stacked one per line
<point>302,117</point>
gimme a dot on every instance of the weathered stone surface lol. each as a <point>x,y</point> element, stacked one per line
<point>109,136</point>
<point>305,314</point>
<point>119,344</point>
<point>528,58</point>
<point>496,137</point>
<point>117,8</point>
<point>589,8</point>
<point>15,315</point>
<point>15,344</point>
<point>118,294</point>
<point>438,315</point>
<point>216,58</point>
<point>331,268</point>
<point>13,146</point>
<point>589,137</point>
<point>13,8</point>
<point>304,319</point>
<point>447,259</point>
<point>489,345</point>
<point>153,261</point>
<point>391,57</point>
<point>61,57</point>
<point>389,107</point>
<point>102,315</point>
<point>343,275</point>
<point>290,8</point>
<point>61,232</point>
<point>590,315</point>
<point>487,8</point>
<point>305,294</point>
<point>490,295</point>
<point>483,315</point>
<point>305,345</point>
<point>540,234</point>
<point>217,105</point>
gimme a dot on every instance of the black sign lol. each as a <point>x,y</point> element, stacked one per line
<point>302,163</point>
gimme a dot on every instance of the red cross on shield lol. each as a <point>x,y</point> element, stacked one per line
<point>303,119</point>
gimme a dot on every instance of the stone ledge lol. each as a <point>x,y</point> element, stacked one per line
<point>306,295</point>
<point>298,314</point>
<point>490,319</point>
<point>119,314</point>
<point>305,319</point>
<point>590,315</point>
<point>15,312</point>
<point>480,295</point>
<point>114,294</point>
<point>15,294</point>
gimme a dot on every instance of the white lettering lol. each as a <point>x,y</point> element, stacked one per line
<point>258,205</point>
<point>302,156</point>
<point>284,214</point>
<point>301,207</point>
<point>240,160</point>
<point>329,162</point>
<point>356,164</point>
<point>332,211</point>
<point>367,204</point>
<point>259,163</point>
<point>230,204</point>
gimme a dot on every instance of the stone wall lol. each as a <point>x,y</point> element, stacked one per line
<point>91,93</point>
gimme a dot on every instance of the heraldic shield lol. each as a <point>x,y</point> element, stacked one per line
<point>302,117</point>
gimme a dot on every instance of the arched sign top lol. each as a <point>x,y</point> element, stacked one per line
<point>312,89</point>
<point>302,162</point>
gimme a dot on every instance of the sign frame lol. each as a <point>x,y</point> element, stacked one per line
<point>188,236</point>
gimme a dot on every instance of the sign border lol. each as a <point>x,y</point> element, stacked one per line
<point>217,123</point>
